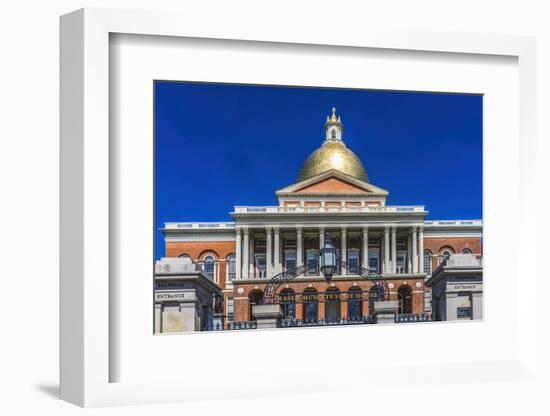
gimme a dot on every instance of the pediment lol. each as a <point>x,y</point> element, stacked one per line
<point>332,185</point>
<point>333,182</point>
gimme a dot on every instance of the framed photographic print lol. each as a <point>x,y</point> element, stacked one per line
<point>254,206</point>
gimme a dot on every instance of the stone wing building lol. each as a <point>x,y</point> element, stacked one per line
<point>332,195</point>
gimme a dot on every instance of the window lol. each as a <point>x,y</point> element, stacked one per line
<point>312,260</point>
<point>290,243</point>
<point>261,243</point>
<point>445,254</point>
<point>231,267</point>
<point>255,297</point>
<point>427,262</point>
<point>374,260</point>
<point>400,262</point>
<point>185,256</point>
<point>230,310</point>
<point>333,133</point>
<point>353,261</point>
<point>288,303</point>
<point>401,243</point>
<point>310,302</point>
<point>260,266</point>
<point>209,266</point>
<point>332,305</point>
<point>374,242</point>
<point>404,297</point>
<point>355,304</point>
<point>374,295</point>
<point>466,251</point>
<point>290,260</point>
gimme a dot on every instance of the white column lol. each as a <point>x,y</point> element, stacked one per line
<point>414,250</point>
<point>246,254</point>
<point>321,245</point>
<point>393,249</point>
<point>269,252</point>
<point>477,305</point>
<point>158,318</point>
<point>299,246</point>
<point>238,254</point>
<point>450,306</point>
<point>409,254</point>
<point>344,248</point>
<point>365,256</point>
<point>276,251</point>
<point>251,258</point>
<point>387,249</point>
<point>420,249</point>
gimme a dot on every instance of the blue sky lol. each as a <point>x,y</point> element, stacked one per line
<point>220,145</point>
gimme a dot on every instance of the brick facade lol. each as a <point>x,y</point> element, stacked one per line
<point>242,300</point>
<point>436,245</point>
<point>197,250</point>
<point>220,250</point>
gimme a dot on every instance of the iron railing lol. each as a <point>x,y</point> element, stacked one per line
<point>412,317</point>
<point>350,320</point>
<point>294,323</point>
<point>232,326</point>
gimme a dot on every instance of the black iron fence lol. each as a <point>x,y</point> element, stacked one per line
<point>351,320</point>
<point>232,326</point>
<point>412,317</point>
<point>293,323</point>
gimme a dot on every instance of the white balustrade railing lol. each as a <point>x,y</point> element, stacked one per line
<point>283,209</point>
<point>198,225</point>
<point>309,209</point>
<point>454,223</point>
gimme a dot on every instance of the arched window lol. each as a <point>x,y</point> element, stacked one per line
<point>355,304</point>
<point>374,295</point>
<point>311,306</point>
<point>231,267</point>
<point>255,297</point>
<point>185,256</point>
<point>404,296</point>
<point>288,303</point>
<point>209,266</point>
<point>427,262</point>
<point>466,251</point>
<point>333,134</point>
<point>332,305</point>
<point>445,254</point>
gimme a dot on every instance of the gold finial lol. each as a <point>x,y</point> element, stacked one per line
<point>333,119</point>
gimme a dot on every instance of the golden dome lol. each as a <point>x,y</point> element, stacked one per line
<point>333,155</point>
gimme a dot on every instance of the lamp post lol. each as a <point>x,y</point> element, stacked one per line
<point>329,261</point>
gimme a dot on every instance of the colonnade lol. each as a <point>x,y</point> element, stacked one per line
<point>273,235</point>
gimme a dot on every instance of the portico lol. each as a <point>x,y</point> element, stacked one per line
<point>385,248</point>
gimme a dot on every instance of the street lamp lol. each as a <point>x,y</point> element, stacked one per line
<point>328,259</point>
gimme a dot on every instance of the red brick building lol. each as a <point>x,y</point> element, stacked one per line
<point>332,195</point>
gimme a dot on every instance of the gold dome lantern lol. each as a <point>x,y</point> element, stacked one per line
<point>333,154</point>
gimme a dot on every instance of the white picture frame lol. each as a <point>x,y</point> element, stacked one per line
<point>87,358</point>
